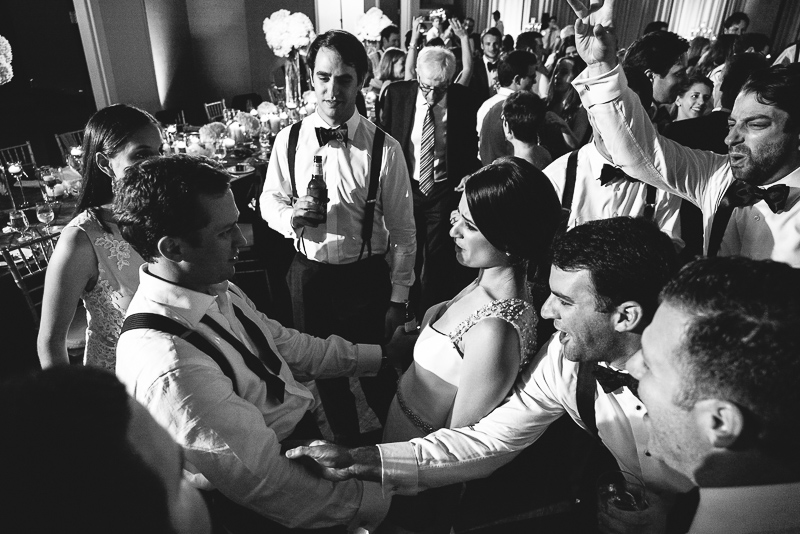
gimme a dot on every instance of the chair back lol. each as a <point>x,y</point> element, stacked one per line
<point>27,261</point>
<point>170,116</point>
<point>214,110</point>
<point>18,153</point>
<point>67,140</point>
<point>246,102</point>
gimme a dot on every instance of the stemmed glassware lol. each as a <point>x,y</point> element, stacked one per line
<point>263,141</point>
<point>45,214</point>
<point>18,221</point>
<point>220,151</point>
<point>15,169</point>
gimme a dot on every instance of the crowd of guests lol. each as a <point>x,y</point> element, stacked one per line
<point>561,254</point>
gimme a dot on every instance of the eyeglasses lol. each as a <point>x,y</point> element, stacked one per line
<point>425,88</point>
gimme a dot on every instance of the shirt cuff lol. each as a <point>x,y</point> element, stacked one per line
<point>369,360</point>
<point>373,509</point>
<point>600,89</point>
<point>400,293</point>
<point>399,469</point>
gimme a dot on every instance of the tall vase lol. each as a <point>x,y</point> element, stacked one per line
<point>293,95</point>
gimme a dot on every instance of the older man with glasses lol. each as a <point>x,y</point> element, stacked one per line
<point>440,149</point>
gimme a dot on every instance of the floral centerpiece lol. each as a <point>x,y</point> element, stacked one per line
<point>249,124</point>
<point>370,25</point>
<point>212,131</point>
<point>6,72</point>
<point>286,34</point>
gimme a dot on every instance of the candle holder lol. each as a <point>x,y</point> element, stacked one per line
<point>16,170</point>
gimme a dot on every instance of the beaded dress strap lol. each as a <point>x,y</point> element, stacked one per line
<point>519,313</point>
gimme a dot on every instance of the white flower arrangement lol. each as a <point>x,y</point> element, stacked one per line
<point>267,108</point>
<point>212,131</point>
<point>6,72</point>
<point>249,124</point>
<point>370,24</point>
<point>286,32</point>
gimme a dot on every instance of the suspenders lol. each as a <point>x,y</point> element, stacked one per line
<point>372,191</point>
<point>569,190</point>
<point>721,218</point>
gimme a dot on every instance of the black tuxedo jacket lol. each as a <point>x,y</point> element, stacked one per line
<point>479,83</point>
<point>398,107</point>
<point>705,133</point>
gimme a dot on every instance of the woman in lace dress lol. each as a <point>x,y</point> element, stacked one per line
<point>471,348</point>
<point>91,261</point>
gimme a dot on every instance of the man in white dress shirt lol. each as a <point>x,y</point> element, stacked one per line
<point>340,281</point>
<point>750,199</point>
<point>604,283</point>
<point>718,374</point>
<point>220,376</point>
<point>591,188</point>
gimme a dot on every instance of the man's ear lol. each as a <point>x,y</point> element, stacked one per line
<point>507,131</point>
<point>721,422</point>
<point>650,74</point>
<point>171,248</point>
<point>104,164</point>
<point>629,317</point>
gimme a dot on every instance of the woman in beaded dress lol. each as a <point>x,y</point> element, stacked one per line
<point>92,262</point>
<point>471,348</point>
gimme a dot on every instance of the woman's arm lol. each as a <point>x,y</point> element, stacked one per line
<point>72,268</point>
<point>490,366</point>
<point>466,53</point>
<point>411,57</point>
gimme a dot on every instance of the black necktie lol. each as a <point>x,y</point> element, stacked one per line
<point>611,380</point>
<point>609,174</point>
<point>775,196</point>
<point>491,66</point>
<point>269,360</point>
<point>326,135</point>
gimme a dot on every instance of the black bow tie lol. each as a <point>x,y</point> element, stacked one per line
<point>326,135</point>
<point>774,196</point>
<point>611,380</point>
<point>491,65</point>
<point>612,174</point>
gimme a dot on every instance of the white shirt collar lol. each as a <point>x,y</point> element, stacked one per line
<point>188,304</point>
<point>352,123</point>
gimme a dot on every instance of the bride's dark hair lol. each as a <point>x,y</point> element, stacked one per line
<point>515,207</point>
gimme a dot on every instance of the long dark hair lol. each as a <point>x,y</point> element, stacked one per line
<point>515,207</point>
<point>106,132</point>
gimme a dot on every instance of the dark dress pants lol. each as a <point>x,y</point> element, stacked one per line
<point>439,276</point>
<point>349,301</point>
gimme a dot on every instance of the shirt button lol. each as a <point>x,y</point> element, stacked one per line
<point>638,407</point>
<point>647,453</point>
<point>756,218</point>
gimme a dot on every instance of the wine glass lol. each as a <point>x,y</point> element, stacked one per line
<point>220,151</point>
<point>18,221</point>
<point>45,214</point>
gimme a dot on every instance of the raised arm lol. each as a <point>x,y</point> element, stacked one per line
<point>466,53</point>
<point>622,125</point>
<point>72,269</point>
<point>411,57</point>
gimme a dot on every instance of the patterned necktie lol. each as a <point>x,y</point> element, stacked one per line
<point>426,154</point>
